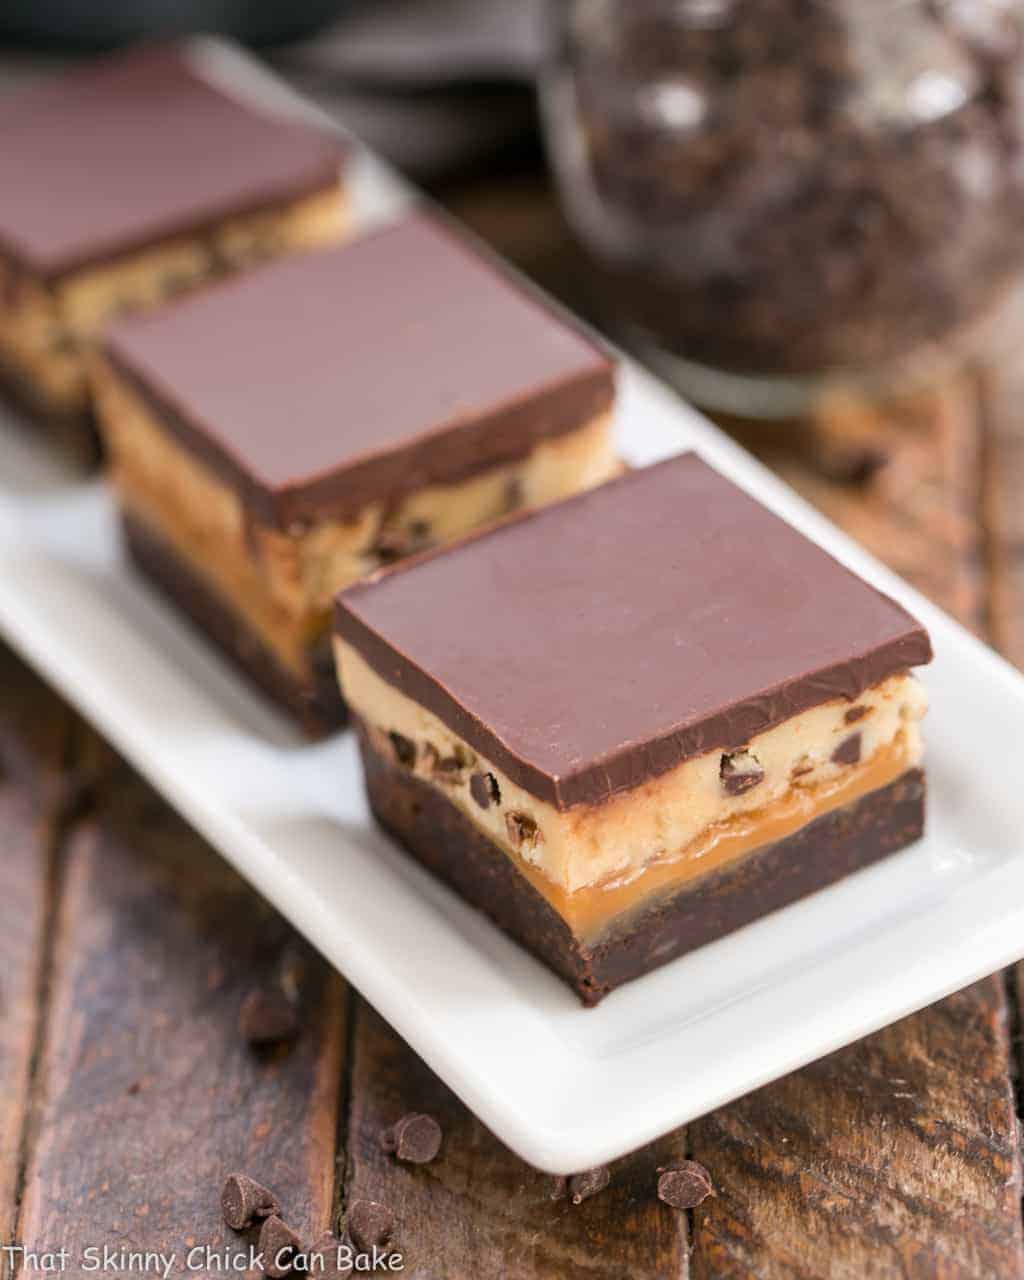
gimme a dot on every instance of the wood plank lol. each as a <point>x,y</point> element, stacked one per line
<point>1003,387</point>
<point>1003,408</point>
<point>38,733</point>
<point>477,1210</point>
<point>33,728</point>
<point>147,1095</point>
<point>895,1157</point>
<point>23,912</point>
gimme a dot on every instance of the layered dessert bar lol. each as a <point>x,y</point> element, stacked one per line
<point>633,722</point>
<point>128,182</point>
<point>278,436</point>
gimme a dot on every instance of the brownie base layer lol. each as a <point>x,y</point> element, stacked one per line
<point>446,842</point>
<point>73,433</point>
<point>318,705</point>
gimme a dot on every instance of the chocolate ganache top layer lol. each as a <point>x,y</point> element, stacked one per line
<point>326,381</point>
<point>589,646</point>
<point>137,148</point>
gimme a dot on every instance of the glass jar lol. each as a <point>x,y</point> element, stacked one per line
<point>778,192</point>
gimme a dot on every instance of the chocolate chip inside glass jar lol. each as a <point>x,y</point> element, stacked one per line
<point>781,189</point>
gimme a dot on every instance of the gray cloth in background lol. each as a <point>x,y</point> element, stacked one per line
<point>422,44</point>
<point>437,86</point>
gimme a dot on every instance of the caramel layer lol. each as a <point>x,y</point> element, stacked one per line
<point>589,911</point>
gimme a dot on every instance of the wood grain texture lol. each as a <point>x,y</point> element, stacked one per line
<point>33,736</point>
<point>37,733</point>
<point>147,1094</point>
<point>1003,494</point>
<point>1003,422</point>
<point>479,1211</point>
<point>22,923</point>
<point>895,1157</point>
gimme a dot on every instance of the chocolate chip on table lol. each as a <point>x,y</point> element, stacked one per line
<point>243,1199</point>
<point>267,1016</point>
<point>848,751</point>
<point>404,749</point>
<point>484,789</point>
<point>416,1138</point>
<point>370,1224</point>
<point>740,771</point>
<point>684,1186</point>
<point>584,1185</point>
<point>322,1259</point>
<point>279,1245</point>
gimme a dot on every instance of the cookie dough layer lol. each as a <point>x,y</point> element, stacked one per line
<point>595,862</point>
<point>48,326</point>
<point>282,582</point>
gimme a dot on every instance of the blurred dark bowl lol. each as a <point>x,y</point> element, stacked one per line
<point>99,24</point>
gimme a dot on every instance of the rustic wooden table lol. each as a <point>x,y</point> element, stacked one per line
<point>127,945</point>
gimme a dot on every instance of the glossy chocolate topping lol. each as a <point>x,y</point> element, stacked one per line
<point>594,644</point>
<point>136,148</point>
<point>326,381</point>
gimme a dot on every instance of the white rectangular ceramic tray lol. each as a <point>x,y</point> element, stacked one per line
<point>565,1087</point>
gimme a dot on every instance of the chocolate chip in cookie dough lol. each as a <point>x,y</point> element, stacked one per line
<point>515,493</point>
<point>243,1199</point>
<point>856,713</point>
<point>267,1016</point>
<point>370,1224</point>
<point>522,830</point>
<point>848,751</point>
<point>450,769</point>
<point>584,1185</point>
<point>740,771</point>
<point>484,789</point>
<point>684,1186</point>
<point>397,542</point>
<point>416,1138</point>
<point>404,749</point>
<point>279,1245</point>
